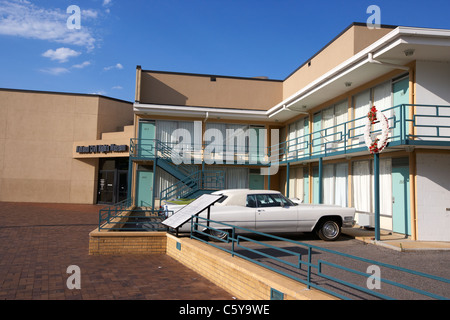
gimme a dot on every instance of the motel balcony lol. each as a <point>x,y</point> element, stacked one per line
<point>426,126</point>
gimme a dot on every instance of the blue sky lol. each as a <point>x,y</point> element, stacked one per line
<point>225,37</point>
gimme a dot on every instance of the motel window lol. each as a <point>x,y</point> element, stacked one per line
<point>220,137</point>
<point>298,137</point>
<point>165,132</point>
<point>381,97</point>
<point>362,177</point>
<point>335,184</point>
<point>361,106</point>
<point>330,122</point>
<point>296,184</point>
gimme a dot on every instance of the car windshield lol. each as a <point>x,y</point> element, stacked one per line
<point>268,200</point>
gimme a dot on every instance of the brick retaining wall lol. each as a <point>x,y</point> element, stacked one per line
<point>241,278</point>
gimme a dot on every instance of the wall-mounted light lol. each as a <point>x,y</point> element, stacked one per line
<point>409,52</point>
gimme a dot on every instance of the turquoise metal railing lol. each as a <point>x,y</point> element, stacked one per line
<point>311,272</point>
<point>191,177</point>
<point>409,125</point>
<point>124,216</point>
<point>211,180</point>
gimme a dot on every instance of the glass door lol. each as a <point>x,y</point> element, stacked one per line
<point>122,185</point>
<point>106,186</point>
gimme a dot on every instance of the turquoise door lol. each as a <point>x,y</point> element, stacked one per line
<point>401,222</point>
<point>401,96</point>
<point>316,140</point>
<point>146,139</point>
<point>256,181</point>
<point>144,189</point>
<point>305,185</point>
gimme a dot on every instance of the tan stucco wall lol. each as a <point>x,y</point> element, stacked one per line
<point>350,42</point>
<point>155,87</point>
<point>37,132</point>
<point>108,138</point>
<point>199,90</point>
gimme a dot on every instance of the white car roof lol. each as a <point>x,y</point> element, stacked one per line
<point>238,197</point>
<point>246,191</point>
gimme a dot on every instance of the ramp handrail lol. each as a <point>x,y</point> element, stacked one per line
<point>201,226</point>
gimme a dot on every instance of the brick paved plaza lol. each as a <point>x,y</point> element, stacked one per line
<point>39,242</point>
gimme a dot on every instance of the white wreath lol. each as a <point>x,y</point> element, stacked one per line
<point>382,142</point>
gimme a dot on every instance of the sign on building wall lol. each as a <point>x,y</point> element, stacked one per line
<point>105,148</point>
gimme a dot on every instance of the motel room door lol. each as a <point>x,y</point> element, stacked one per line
<point>146,139</point>
<point>144,187</point>
<point>255,180</point>
<point>316,140</point>
<point>400,90</point>
<point>401,222</point>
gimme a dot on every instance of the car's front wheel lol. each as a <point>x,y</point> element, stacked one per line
<point>329,230</point>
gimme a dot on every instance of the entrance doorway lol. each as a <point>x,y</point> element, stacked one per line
<point>401,222</point>
<point>144,186</point>
<point>255,180</point>
<point>147,136</point>
<point>112,180</point>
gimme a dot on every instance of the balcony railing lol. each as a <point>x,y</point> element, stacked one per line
<point>408,125</point>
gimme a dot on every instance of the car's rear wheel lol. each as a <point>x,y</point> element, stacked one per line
<point>329,230</point>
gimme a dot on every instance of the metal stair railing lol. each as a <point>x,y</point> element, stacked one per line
<point>164,151</point>
<point>208,180</point>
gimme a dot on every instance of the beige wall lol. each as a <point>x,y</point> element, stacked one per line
<point>249,93</point>
<point>348,43</point>
<point>37,132</point>
<point>199,90</point>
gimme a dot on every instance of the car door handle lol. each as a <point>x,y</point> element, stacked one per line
<point>260,210</point>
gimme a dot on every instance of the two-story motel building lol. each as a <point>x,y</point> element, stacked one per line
<point>308,131</point>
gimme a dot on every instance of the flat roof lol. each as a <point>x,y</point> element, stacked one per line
<point>65,93</point>
<point>257,78</point>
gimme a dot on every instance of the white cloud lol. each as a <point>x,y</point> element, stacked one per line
<point>61,54</point>
<point>24,19</point>
<point>89,13</point>
<point>82,65</point>
<point>99,92</point>
<point>55,71</point>
<point>118,66</point>
<point>117,87</point>
<point>107,4</point>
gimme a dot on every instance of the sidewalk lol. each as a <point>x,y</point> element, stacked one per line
<point>394,241</point>
<point>40,241</point>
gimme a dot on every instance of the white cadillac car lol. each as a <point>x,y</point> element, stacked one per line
<point>271,212</point>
